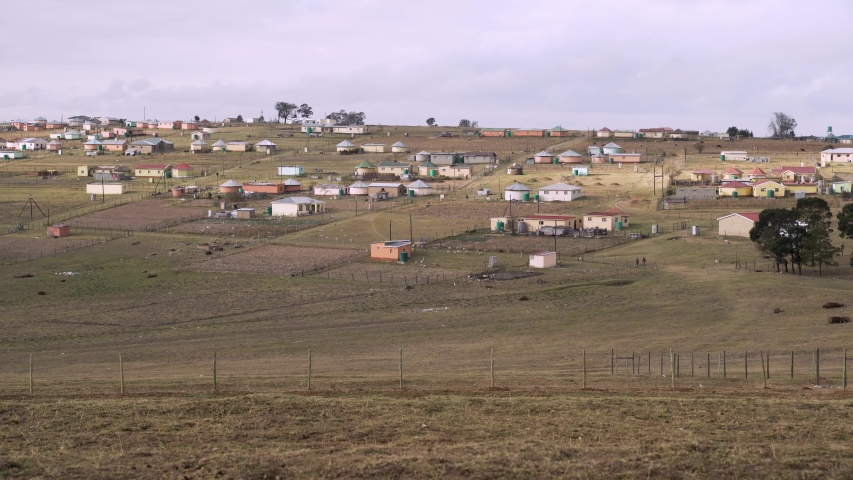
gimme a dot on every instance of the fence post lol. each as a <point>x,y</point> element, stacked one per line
<point>709,365</point>
<point>768,364</point>
<point>612,366</point>
<point>691,365</point>
<point>817,366</point>
<point>401,369</point>
<point>31,374</point>
<point>724,364</point>
<point>650,364</point>
<point>121,373</point>
<point>763,368</point>
<point>492,368</point>
<point>844,382</point>
<point>584,369</point>
<point>792,364</point>
<point>672,368</point>
<point>215,386</point>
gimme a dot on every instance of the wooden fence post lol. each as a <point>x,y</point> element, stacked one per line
<point>492,368</point>
<point>309,369</point>
<point>215,386</point>
<point>31,374</point>
<point>584,369</point>
<point>817,366</point>
<point>401,369</point>
<point>844,381</point>
<point>121,373</point>
<point>724,364</point>
<point>792,364</point>
<point>746,364</point>
<point>612,366</point>
<point>650,364</point>
<point>691,365</point>
<point>709,365</point>
<point>672,368</point>
<point>763,368</point>
<point>768,364</point>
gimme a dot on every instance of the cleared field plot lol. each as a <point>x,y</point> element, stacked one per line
<point>139,216</point>
<point>259,228</point>
<point>483,210</point>
<point>279,260</point>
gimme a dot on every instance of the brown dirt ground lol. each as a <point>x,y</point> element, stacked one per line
<point>139,215</point>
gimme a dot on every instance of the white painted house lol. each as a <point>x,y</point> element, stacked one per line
<point>297,206</point>
<point>559,192</point>
<point>517,191</point>
<point>292,170</point>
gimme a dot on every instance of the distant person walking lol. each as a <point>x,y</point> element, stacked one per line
<point>644,262</point>
<point>637,263</point>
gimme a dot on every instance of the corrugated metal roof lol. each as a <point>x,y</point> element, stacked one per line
<point>231,183</point>
<point>517,187</point>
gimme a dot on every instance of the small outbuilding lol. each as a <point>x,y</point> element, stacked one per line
<point>329,190</point>
<point>104,188</point>
<point>735,189</point>
<point>611,148</point>
<point>238,147</point>
<point>365,168</point>
<point>58,231</point>
<point>265,146</point>
<point>428,169</point>
<point>737,224</point>
<point>580,170</point>
<point>422,156</point>
<point>702,175</point>
<point>391,251</point>
<point>515,169</point>
<point>399,147</point>
<point>543,260</point>
<point>387,189</point>
<point>734,156</point>
<point>610,220</point>
<point>291,170</point>
<point>199,146</point>
<point>373,148</point>
<point>731,173</point>
<point>220,146</point>
<point>182,170</point>
<point>291,185</point>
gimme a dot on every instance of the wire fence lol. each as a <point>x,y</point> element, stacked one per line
<point>443,367</point>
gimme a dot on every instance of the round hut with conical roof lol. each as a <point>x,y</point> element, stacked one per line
<point>359,189</point>
<point>515,169</point>
<point>230,187</point>
<point>419,188</point>
<point>346,147</point>
<point>365,168</point>
<point>422,156</point>
<point>570,156</point>
<point>517,191</point>
<point>543,157</point>
<point>399,147</point>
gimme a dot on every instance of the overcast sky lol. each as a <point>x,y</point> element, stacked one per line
<point>687,64</point>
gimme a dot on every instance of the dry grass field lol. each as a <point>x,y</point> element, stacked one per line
<point>168,307</point>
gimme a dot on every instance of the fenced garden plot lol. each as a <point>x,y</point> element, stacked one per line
<point>264,227</point>
<point>147,215</point>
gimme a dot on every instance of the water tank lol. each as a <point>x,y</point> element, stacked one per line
<point>404,256</point>
<point>525,196</point>
<point>499,226</point>
<point>536,197</point>
<point>734,194</point>
<point>695,230</point>
<point>771,194</point>
<point>618,225</point>
<point>433,173</point>
<point>411,192</point>
<point>522,227</point>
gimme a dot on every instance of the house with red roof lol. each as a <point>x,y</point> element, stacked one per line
<point>768,189</point>
<point>795,174</point>
<point>604,133</point>
<point>610,220</point>
<point>735,189</point>
<point>756,173</point>
<point>182,170</point>
<point>737,224</point>
<point>731,173</point>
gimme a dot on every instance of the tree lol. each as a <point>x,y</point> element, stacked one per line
<point>732,131</point>
<point>781,125</point>
<point>475,124</point>
<point>305,110</point>
<point>239,119</point>
<point>814,212</point>
<point>818,248</point>
<point>344,118</point>
<point>699,146</point>
<point>770,233</point>
<point>197,118</point>
<point>744,133</point>
<point>464,122</point>
<point>285,109</point>
<point>430,122</point>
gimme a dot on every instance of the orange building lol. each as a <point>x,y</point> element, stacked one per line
<point>264,187</point>
<point>493,132</point>
<point>391,251</point>
<point>528,132</point>
<point>58,231</point>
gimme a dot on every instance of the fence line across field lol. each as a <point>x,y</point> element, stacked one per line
<point>583,365</point>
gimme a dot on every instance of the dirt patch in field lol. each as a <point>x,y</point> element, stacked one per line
<point>279,260</point>
<point>139,216</point>
<point>27,247</point>
<point>484,210</point>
